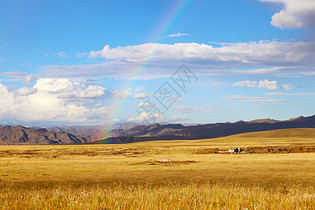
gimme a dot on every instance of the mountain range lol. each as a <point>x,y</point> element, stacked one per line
<point>99,133</point>
<point>22,135</point>
<point>178,131</point>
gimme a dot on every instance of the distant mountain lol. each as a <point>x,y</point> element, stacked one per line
<point>301,118</point>
<point>264,121</point>
<point>22,135</point>
<point>92,132</point>
<point>178,131</point>
<point>89,132</point>
<point>127,133</point>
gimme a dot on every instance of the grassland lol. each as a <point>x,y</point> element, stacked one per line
<point>133,176</point>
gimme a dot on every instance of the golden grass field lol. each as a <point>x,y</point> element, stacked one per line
<point>132,176</point>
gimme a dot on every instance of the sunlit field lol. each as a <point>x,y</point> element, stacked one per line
<point>157,104</point>
<point>161,175</point>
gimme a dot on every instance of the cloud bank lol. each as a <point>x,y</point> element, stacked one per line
<point>53,101</point>
<point>162,60</point>
<point>251,53</point>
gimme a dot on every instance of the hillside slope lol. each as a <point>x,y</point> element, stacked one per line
<point>308,133</point>
<point>178,131</point>
<point>281,137</point>
<point>23,135</point>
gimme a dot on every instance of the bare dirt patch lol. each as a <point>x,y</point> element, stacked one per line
<point>166,162</point>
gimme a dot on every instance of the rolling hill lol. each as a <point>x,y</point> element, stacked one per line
<point>308,133</point>
<point>178,131</point>
<point>290,138</point>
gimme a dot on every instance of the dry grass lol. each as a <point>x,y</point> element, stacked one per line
<point>168,196</point>
<point>134,177</point>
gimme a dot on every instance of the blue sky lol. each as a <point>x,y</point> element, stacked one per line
<point>98,62</point>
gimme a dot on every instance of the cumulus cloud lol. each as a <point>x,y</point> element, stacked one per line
<point>178,35</point>
<point>25,91</point>
<point>44,103</point>
<point>66,88</point>
<point>191,109</point>
<point>271,85</point>
<point>146,117</point>
<point>246,83</point>
<point>91,91</point>
<point>295,14</point>
<point>177,118</point>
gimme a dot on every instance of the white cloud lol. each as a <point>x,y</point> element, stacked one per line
<point>257,99</point>
<point>246,83</point>
<point>295,14</point>
<point>92,82</point>
<point>178,35</point>
<point>45,104</point>
<point>28,79</point>
<point>143,104</point>
<point>242,53</point>
<point>271,85</point>
<point>91,91</point>
<point>66,88</point>
<point>55,85</point>
<point>287,87</point>
<point>19,76</point>
<point>141,95</point>
<point>190,109</point>
<point>289,94</point>
<point>271,101</point>
<point>146,117</point>
<point>25,91</point>
<point>241,97</point>
<point>122,94</point>
<point>163,60</point>
<point>177,118</point>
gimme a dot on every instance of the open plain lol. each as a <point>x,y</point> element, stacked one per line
<point>275,170</point>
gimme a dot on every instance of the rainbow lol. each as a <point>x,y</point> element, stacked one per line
<point>168,21</point>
